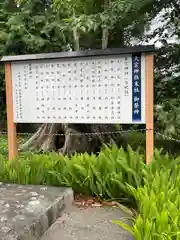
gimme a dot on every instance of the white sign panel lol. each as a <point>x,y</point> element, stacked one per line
<point>80,90</point>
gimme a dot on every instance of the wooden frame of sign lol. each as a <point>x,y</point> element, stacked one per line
<point>94,86</point>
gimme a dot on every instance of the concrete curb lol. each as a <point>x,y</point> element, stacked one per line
<point>41,224</point>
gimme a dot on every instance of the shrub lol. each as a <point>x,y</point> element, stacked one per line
<point>113,174</point>
<point>104,175</point>
<point>158,202</point>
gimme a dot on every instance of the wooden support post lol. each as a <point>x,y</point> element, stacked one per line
<point>149,108</point>
<point>12,145</point>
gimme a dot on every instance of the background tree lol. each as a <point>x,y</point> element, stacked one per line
<point>101,23</point>
<point>167,65</point>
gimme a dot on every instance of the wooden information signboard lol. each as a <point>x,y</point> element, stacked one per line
<point>100,86</point>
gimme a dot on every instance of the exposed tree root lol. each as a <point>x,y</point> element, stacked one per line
<point>71,138</point>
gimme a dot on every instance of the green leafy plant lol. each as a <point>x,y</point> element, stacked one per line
<point>104,175</point>
<point>168,118</point>
<point>158,202</point>
<point>152,190</point>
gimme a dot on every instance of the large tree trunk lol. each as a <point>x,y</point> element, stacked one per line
<point>71,138</point>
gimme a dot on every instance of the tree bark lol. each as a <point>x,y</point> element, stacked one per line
<point>105,31</point>
<point>73,138</point>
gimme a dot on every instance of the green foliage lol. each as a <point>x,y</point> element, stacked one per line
<point>158,201</point>
<point>89,18</point>
<point>153,189</point>
<point>103,175</point>
<point>158,205</point>
<point>168,118</point>
<point>33,28</point>
<point>3,146</point>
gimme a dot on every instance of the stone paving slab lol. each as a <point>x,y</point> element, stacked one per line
<point>88,224</point>
<point>27,211</point>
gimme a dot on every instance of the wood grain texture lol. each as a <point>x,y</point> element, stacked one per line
<point>12,146</point>
<point>149,108</point>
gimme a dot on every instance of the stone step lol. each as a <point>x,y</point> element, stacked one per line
<point>88,224</point>
<point>27,211</point>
